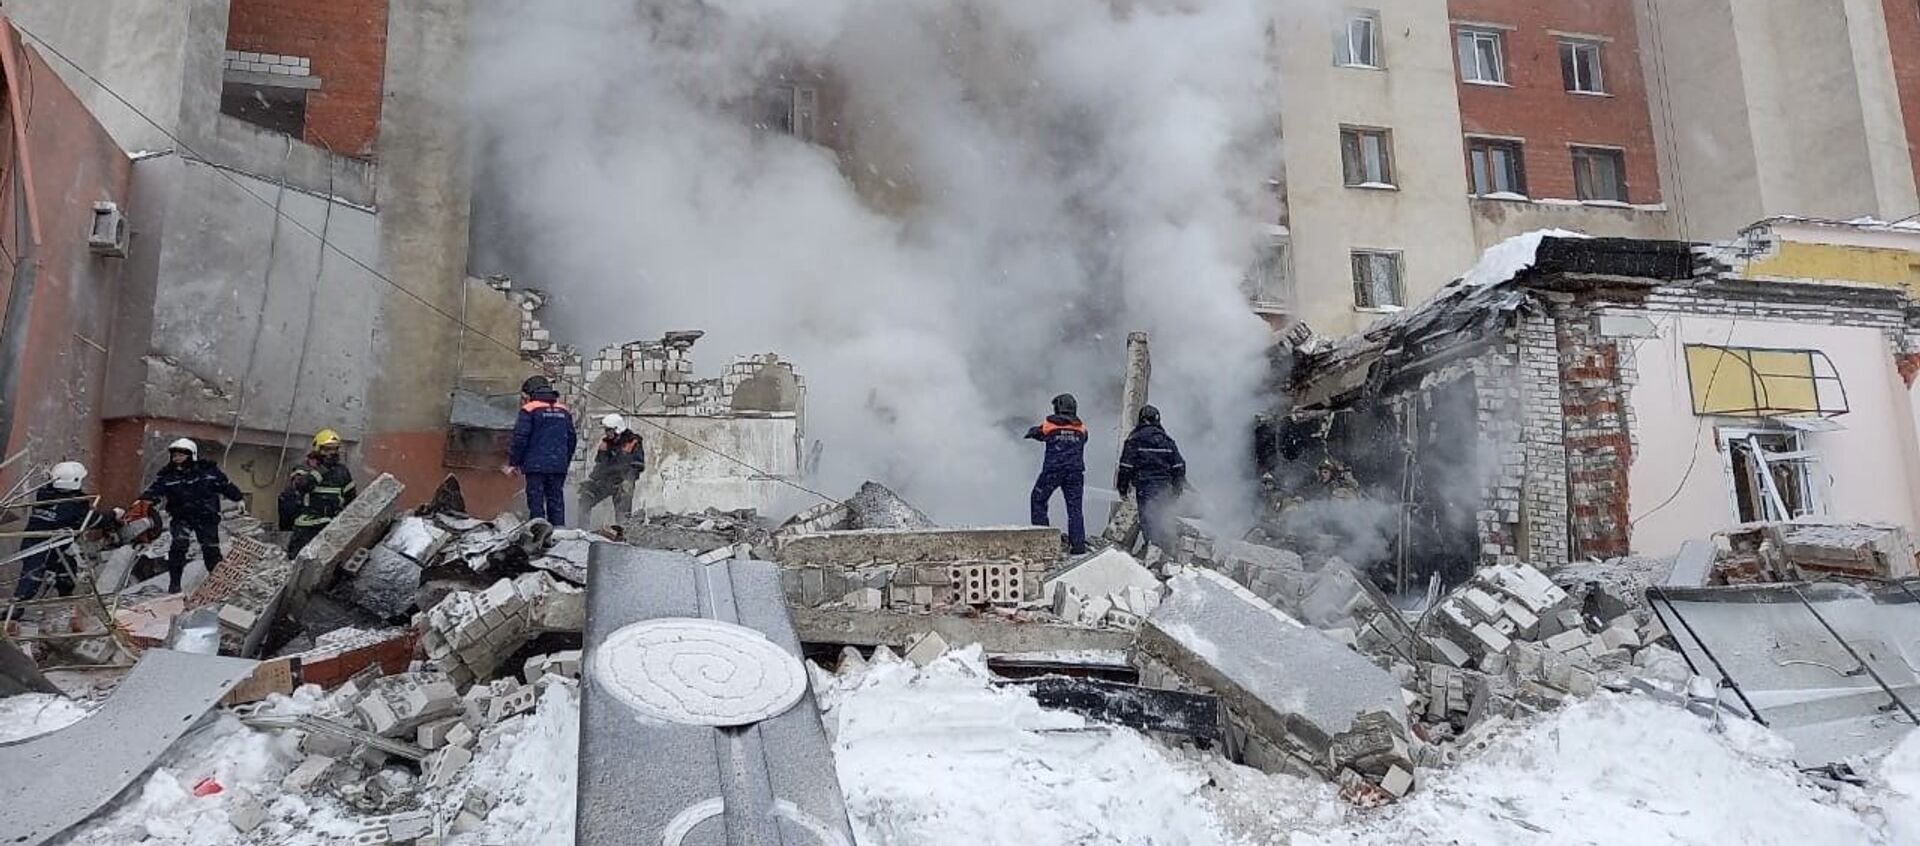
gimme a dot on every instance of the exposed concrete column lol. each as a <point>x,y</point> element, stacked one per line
<point>424,189</point>
<point>1123,520</point>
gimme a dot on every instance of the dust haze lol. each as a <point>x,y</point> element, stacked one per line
<point>1018,185</point>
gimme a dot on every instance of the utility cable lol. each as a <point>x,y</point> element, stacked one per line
<point>584,389</point>
<point>260,320</point>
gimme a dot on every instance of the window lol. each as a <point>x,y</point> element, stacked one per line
<point>1599,174</point>
<point>1358,46</point>
<point>1366,157</point>
<point>1580,67</point>
<point>1483,56</point>
<point>1270,280</point>
<point>1772,474</point>
<point>1496,167</point>
<point>1376,280</point>
<point>790,109</point>
<point>1754,382</point>
<point>270,107</point>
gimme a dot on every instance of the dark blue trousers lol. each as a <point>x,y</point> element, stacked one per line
<point>547,498</point>
<point>1073,487</point>
<point>1156,514</point>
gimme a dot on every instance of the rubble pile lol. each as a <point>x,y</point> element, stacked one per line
<point>1109,588</point>
<point>1758,553</point>
<point>917,570</point>
<point>705,532</point>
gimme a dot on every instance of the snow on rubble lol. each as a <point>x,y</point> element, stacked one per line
<point>940,757</point>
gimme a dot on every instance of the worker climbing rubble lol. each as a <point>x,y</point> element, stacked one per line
<point>1152,469</point>
<point>60,505</point>
<point>542,447</point>
<point>1064,468</point>
<point>191,489</point>
<point>617,465</point>
<point>317,491</point>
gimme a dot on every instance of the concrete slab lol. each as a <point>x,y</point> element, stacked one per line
<point>994,634</point>
<point>1692,566</point>
<point>866,546</point>
<point>1110,572</point>
<point>767,781</point>
<point>358,526</point>
<point>1297,693</point>
<point>54,780</point>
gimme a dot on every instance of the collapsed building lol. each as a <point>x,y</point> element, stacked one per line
<point>1612,397</point>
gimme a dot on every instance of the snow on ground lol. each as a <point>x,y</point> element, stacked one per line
<point>940,758</point>
<point>1505,260</point>
<point>28,714</point>
<point>1617,770</point>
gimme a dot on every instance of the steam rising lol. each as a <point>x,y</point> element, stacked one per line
<point>1020,183</point>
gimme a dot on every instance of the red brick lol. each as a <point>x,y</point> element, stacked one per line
<point>1537,106</point>
<point>347,43</point>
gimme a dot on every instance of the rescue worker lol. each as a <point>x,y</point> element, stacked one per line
<point>1152,469</point>
<point>320,488</point>
<point>1064,468</point>
<point>542,447</point>
<point>59,505</point>
<point>191,488</point>
<point>617,465</point>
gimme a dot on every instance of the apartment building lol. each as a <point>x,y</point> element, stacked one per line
<point>1427,131</point>
<point>1775,107</point>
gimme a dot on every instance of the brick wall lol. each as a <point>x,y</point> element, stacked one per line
<point>1536,106</point>
<point>345,42</point>
<point>1903,35</point>
<point>1598,420</point>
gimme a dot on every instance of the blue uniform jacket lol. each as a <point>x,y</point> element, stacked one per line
<point>543,437</point>
<point>193,489</point>
<point>1066,440</point>
<point>1150,459</point>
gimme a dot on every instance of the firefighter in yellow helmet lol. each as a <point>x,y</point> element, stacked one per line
<point>317,491</point>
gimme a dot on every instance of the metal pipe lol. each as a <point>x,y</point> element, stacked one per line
<point>1856,655</point>
<point>1725,676</point>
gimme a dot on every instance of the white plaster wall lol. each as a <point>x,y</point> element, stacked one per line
<point>1867,469</point>
<point>1427,218</point>
<point>686,479</point>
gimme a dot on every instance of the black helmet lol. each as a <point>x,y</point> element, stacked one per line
<point>534,383</point>
<point>1149,416</point>
<point>1066,406</point>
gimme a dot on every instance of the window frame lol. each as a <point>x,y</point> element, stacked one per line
<point>1476,144</point>
<point>1365,301</point>
<point>1343,43</point>
<point>1570,50</point>
<point>1476,34</point>
<point>1368,181</point>
<point>1577,152</point>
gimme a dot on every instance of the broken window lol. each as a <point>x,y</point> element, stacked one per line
<point>1483,56</point>
<point>1270,279</point>
<point>1599,173</point>
<point>1771,474</point>
<point>1357,45</point>
<point>1580,67</point>
<point>271,107</point>
<point>1496,167</point>
<point>1376,280</point>
<point>1755,382</point>
<point>1366,157</point>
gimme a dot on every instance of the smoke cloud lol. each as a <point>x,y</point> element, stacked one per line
<point>1018,185</point>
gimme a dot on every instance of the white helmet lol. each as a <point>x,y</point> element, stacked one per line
<point>185,445</point>
<point>614,422</point>
<point>67,475</point>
